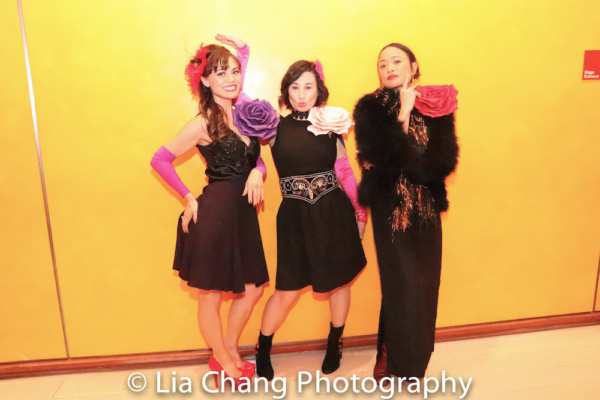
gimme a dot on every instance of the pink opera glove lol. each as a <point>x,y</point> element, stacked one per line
<point>260,165</point>
<point>243,55</point>
<point>345,176</point>
<point>242,98</point>
<point>162,162</point>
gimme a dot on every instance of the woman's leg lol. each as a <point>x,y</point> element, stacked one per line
<point>209,321</point>
<point>339,305</point>
<point>276,310</point>
<point>239,313</point>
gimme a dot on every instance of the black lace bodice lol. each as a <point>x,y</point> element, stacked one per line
<point>229,157</point>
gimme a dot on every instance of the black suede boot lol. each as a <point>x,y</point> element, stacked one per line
<point>335,344</point>
<point>264,369</point>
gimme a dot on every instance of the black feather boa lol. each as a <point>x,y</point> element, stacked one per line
<point>382,142</point>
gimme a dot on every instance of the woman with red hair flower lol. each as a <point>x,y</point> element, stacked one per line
<point>407,147</point>
<point>219,247</point>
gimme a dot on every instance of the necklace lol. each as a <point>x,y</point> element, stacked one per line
<point>300,115</point>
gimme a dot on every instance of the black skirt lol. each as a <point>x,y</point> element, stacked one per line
<point>318,244</point>
<point>223,250</point>
<point>410,267</point>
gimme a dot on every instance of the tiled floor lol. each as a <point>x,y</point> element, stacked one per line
<point>557,364</point>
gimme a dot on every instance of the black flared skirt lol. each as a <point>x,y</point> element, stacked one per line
<point>318,244</point>
<point>223,250</point>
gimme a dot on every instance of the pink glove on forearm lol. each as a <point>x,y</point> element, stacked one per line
<point>260,165</point>
<point>345,176</point>
<point>162,162</point>
<point>243,55</point>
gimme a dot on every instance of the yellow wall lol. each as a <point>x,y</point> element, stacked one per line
<point>521,237</point>
<point>30,326</point>
<point>597,305</point>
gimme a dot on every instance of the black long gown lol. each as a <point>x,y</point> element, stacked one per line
<point>405,188</point>
<point>318,242</point>
<point>224,250</point>
<point>410,268</point>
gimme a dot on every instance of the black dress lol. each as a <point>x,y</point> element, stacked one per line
<point>224,250</point>
<point>318,242</point>
<point>405,188</point>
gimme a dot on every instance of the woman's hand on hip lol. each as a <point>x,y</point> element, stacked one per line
<point>254,187</point>
<point>191,211</point>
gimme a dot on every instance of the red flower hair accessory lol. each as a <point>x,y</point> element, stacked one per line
<point>195,69</point>
<point>319,69</point>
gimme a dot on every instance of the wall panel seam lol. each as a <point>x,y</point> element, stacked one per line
<point>41,170</point>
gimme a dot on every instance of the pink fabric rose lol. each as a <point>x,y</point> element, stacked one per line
<point>436,100</point>
<point>329,119</point>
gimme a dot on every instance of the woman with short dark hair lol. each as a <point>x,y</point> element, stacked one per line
<point>318,237</point>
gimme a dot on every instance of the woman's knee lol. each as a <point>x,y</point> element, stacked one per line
<point>287,298</point>
<point>208,298</point>
<point>342,291</point>
<point>254,293</point>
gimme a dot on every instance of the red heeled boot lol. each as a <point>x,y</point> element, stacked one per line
<point>380,370</point>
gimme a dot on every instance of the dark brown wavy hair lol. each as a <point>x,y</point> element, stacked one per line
<point>411,56</point>
<point>216,120</point>
<point>292,75</point>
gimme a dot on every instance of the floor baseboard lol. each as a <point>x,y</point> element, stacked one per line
<point>157,360</point>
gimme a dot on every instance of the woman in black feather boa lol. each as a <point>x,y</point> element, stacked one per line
<point>407,147</point>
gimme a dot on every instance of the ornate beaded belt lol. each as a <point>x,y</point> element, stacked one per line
<point>308,187</point>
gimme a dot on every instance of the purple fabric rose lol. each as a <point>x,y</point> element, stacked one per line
<point>256,118</point>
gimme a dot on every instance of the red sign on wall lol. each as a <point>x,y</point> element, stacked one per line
<point>591,65</point>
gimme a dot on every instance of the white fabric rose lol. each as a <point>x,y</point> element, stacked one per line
<point>329,119</point>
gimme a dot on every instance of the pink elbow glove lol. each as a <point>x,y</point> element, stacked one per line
<point>243,55</point>
<point>162,162</point>
<point>345,176</point>
<point>260,165</point>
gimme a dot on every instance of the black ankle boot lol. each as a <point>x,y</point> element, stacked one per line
<point>264,369</point>
<point>335,344</point>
